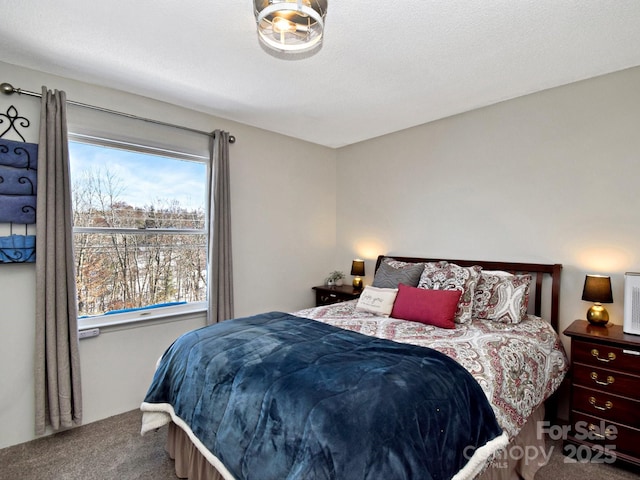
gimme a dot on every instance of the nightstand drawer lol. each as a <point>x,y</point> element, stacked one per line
<point>326,295</point>
<point>605,389</point>
<point>328,299</point>
<point>595,431</point>
<point>606,356</point>
<point>606,406</point>
<point>610,381</point>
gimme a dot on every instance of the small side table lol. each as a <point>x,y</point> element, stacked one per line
<point>326,295</point>
<point>605,393</point>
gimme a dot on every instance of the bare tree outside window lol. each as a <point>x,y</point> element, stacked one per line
<point>136,250</point>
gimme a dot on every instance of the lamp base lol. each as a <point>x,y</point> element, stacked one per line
<point>598,315</point>
<point>357,282</point>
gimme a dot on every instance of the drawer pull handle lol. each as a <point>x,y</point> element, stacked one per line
<point>610,356</point>
<point>608,432</point>
<point>608,405</point>
<point>610,379</point>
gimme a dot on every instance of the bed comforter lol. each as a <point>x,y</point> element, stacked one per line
<point>277,396</point>
<point>517,365</point>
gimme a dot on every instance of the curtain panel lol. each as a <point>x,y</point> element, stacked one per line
<point>57,360</point>
<point>220,275</point>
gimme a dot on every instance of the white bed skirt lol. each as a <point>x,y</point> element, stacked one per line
<point>191,464</point>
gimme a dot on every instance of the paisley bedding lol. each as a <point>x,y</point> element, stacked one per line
<point>517,365</point>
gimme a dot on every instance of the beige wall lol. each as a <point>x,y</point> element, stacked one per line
<point>283,196</point>
<point>549,178</point>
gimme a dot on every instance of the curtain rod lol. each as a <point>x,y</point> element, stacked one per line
<point>8,89</point>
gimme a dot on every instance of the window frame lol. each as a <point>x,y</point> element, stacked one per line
<point>145,314</point>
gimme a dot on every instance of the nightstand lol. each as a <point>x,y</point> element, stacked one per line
<point>326,295</point>
<point>605,393</point>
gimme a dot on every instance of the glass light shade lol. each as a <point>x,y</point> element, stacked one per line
<point>290,26</point>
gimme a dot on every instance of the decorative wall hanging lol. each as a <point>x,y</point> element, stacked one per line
<point>12,117</point>
<point>18,187</point>
<point>18,181</point>
<point>18,249</point>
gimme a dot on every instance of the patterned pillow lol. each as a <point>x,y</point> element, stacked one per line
<point>501,297</point>
<point>391,273</point>
<point>449,276</point>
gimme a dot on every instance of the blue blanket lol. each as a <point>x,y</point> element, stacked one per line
<point>276,396</point>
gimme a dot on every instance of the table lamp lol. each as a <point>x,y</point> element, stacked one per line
<point>357,269</point>
<point>597,289</point>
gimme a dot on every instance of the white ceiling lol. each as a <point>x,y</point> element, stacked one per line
<point>384,65</point>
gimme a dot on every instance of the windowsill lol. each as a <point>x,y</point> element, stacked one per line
<point>140,317</point>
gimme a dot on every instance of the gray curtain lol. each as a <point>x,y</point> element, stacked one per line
<point>57,361</point>
<point>220,278</point>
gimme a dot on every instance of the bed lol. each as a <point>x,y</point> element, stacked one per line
<point>441,369</point>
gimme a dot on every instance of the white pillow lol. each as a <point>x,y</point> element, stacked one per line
<point>377,300</point>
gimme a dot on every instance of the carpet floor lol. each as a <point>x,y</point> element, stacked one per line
<point>113,449</point>
<point>108,449</point>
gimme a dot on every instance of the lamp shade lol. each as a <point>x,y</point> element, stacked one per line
<point>290,26</point>
<point>357,268</point>
<point>597,288</point>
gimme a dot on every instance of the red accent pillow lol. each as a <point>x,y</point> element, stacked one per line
<point>433,307</point>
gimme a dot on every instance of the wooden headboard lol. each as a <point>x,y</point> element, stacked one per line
<point>538,271</point>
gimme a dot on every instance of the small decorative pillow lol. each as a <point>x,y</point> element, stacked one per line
<point>433,307</point>
<point>449,276</point>
<point>390,273</point>
<point>377,300</point>
<point>501,297</point>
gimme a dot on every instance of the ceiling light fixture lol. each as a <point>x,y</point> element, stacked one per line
<point>291,26</point>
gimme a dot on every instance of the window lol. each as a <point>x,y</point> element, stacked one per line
<point>139,230</point>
